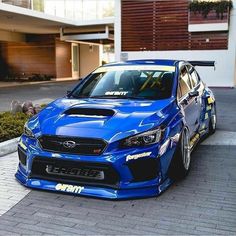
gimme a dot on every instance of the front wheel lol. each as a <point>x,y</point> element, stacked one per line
<point>180,164</point>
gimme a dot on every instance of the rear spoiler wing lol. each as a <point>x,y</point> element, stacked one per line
<point>203,63</point>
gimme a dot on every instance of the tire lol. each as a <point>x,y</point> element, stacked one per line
<point>212,120</point>
<point>180,164</point>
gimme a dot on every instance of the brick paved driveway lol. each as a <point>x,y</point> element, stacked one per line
<point>204,203</point>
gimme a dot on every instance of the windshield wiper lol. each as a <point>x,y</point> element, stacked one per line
<point>77,96</point>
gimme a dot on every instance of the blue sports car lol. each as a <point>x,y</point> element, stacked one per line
<point>127,130</point>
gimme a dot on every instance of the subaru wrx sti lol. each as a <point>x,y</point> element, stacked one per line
<point>127,130</point>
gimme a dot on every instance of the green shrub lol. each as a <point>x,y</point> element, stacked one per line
<point>11,125</point>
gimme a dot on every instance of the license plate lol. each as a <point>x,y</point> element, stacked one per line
<point>75,172</point>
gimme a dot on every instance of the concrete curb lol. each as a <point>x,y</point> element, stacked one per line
<point>8,146</point>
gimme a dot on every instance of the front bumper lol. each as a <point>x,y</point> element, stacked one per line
<point>100,192</point>
<point>134,179</point>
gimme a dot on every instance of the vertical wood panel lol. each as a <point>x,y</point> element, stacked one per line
<point>163,25</point>
<point>63,58</point>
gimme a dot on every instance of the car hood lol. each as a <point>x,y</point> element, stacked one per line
<point>108,119</point>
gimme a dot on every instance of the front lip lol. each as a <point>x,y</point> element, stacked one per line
<point>97,192</point>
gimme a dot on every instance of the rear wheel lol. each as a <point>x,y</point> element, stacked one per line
<point>212,120</point>
<point>180,164</point>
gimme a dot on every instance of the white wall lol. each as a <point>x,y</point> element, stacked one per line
<point>223,76</point>
<point>88,58</point>
<point>117,31</point>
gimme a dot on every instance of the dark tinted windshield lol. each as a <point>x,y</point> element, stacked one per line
<point>118,82</point>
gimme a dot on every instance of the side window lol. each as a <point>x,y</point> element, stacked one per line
<point>184,81</point>
<point>194,77</point>
<point>179,93</point>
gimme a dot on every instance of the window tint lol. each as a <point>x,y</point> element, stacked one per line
<point>179,94</point>
<point>184,82</point>
<point>145,84</point>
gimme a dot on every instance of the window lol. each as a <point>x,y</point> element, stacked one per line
<point>184,82</point>
<point>179,93</point>
<point>194,77</point>
<point>136,84</point>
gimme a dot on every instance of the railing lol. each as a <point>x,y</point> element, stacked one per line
<point>70,9</point>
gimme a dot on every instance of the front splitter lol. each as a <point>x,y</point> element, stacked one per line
<point>98,192</point>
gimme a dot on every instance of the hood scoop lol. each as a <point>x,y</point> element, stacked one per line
<point>89,112</point>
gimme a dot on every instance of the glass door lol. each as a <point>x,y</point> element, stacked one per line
<point>75,60</point>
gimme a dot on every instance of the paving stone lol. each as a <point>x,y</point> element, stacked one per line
<point>201,204</point>
<point>11,192</point>
<point>189,206</point>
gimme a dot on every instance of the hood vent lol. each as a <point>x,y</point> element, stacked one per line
<point>89,112</point>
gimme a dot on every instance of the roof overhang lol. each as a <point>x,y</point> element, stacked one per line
<point>27,21</point>
<point>103,36</point>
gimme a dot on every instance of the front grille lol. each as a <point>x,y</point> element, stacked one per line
<point>72,145</point>
<point>144,169</point>
<point>74,172</point>
<point>22,156</point>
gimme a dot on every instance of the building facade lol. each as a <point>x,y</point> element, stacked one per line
<point>169,29</point>
<point>63,38</point>
<point>59,39</point>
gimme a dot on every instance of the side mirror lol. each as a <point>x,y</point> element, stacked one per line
<point>193,94</point>
<point>68,92</point>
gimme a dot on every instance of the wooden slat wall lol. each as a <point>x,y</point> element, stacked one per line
<point>212,40</point>
<point>163,25</point>
<point>137,25</point>
<point>29,58</point>
<point>171,22</point>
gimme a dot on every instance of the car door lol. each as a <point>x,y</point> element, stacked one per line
<point>188,99</point>
<point>196,87</point>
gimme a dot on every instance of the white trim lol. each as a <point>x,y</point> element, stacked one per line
<point>117,31</point>
<point>89,36</point>
<point>208,27</point>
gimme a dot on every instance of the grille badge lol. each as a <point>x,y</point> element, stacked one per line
<point>69,144</point>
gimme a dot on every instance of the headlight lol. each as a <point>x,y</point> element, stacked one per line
<point>27,131</point>
<point>143,139</point>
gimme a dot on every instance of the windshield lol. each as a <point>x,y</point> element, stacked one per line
<point>128,83</point>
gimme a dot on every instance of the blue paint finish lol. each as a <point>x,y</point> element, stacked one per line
<point>131,117</point>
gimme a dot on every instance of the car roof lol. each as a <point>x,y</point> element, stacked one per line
<point>161,62</point>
